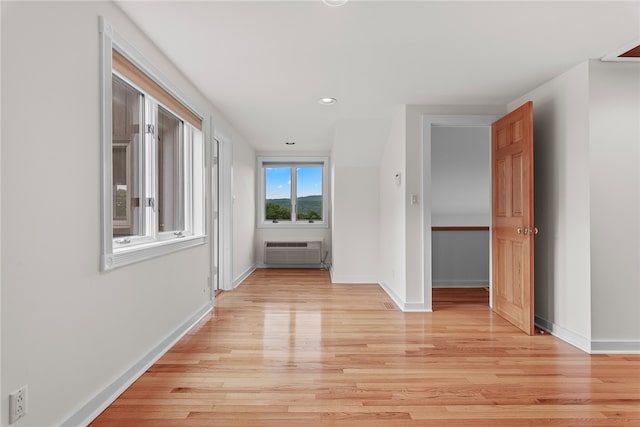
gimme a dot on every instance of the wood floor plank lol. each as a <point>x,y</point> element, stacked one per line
<point>288,348</point>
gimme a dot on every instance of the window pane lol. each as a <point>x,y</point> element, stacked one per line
<point>309,193</point>
<point>170,172</point>
<point>278,193</point>
<point>120,173</point>
<point>126,155</point>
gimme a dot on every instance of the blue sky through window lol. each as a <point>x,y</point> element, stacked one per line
<point>278,182</point>
<point>309,181</point>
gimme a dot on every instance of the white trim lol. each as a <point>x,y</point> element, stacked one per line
<point>237,282</point>
<point>106,119</point>
<point>225,210</point>
<point>404,306</point>
<point>396,299</point>
<point>586,345</point>
<point>213,202</point>
<point>148,251</point>
<point>428,121</point>
<point>615,347</point>
<point>416,307</point>
<point>97,404</point>
<point>564,334</point>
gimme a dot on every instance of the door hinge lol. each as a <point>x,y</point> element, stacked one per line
<point>150,129</point>
<point>215,161</point>
<point>151,203</point>
<point>215,215</point>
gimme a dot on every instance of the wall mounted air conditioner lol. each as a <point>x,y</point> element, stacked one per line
<point>292,253</point>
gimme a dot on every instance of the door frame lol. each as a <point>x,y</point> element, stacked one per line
<point>429,121</point>
<point>225,213</point>
<point>215,217</point>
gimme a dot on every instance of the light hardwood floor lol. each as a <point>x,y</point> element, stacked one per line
<point>288,348</point>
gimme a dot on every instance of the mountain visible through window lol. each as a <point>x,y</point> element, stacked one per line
<point>309,193</point>
<point>278,194</point>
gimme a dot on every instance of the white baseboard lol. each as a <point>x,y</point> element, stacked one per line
<point>587,345</point>
<point>396,299</point>
<point>416,307</point>
<point>243,276</point>
<point>615,347</point>
<point>460,284</point>
<point>564,334</point>
<point>93,408</point>
<point>404,306</point>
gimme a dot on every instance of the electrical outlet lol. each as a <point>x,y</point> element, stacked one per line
<point>17,404</point>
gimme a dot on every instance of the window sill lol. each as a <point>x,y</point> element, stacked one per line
<point>292,225</point>
<point>129,255</point>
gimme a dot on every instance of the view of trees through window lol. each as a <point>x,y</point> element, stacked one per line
<point>306,188</point>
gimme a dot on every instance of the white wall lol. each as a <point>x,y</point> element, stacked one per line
<point>69,331</point>
<point>460,176</point>
<point>355,225</point>
<point>355,159</point>
<point>586,131</point>
<point>614,168</point>
<point>392,269</point>
<point>244,209</point>
<point>561,201</point>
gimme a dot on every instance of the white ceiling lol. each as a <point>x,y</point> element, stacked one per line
<point>264,64</point>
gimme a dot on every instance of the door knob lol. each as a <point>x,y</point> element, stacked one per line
<point>527,230</point>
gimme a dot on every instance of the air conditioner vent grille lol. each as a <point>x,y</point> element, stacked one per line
<point>292,253</point>
<point>286,244</point>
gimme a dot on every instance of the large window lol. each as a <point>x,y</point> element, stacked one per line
<point>293,192</point>
<point>153,160</point>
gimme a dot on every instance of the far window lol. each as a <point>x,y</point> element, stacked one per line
<point>294,192</point>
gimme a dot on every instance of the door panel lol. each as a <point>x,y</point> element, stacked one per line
<point>517,201</point>
<point>513,226</point>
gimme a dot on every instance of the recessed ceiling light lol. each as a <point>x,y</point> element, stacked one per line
<point>290,143</point>
<point>334,3</point>
<point>327,101</point>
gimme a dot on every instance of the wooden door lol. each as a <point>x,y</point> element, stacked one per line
<point>512,211</point>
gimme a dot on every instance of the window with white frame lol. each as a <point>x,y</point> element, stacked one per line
<point>153,160</point>
<point>293,192</point>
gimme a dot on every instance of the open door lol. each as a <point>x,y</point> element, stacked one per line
<point>512,217</point>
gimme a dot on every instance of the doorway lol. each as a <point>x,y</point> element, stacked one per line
<point>457,214</point>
